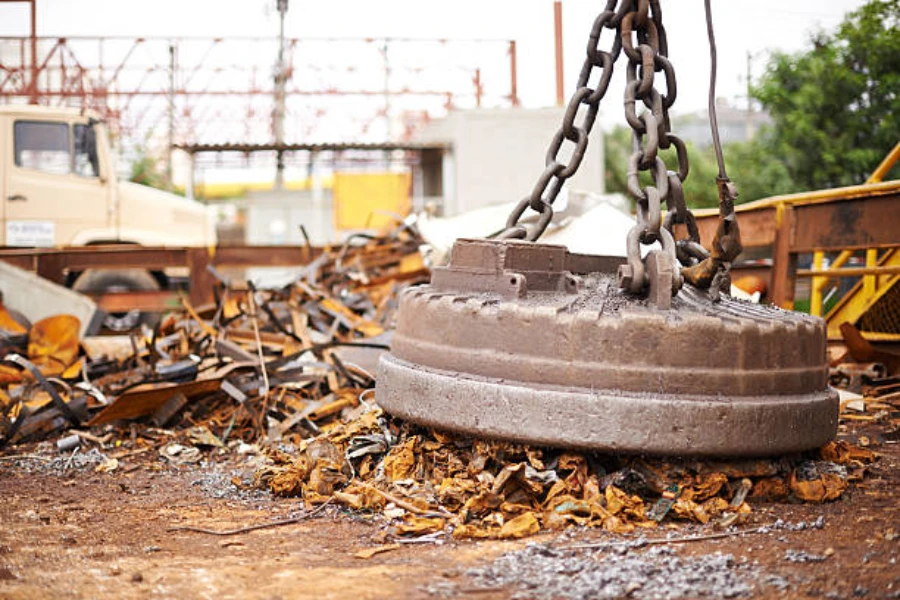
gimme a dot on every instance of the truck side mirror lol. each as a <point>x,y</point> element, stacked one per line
<point>86,145</point>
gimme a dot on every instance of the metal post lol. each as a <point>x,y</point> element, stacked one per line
<point>784,262</point>
<point>315,179</point>
<point>478,88</point>
<point>171,115</point>
<point>889,161</point>
<point>33,96</point>
<point>387,91</point>
<point>388,155</point>
<point>815,296</point>
<point>748,123</point>
<point>870,281</point>
<point>189,188</point>
<point>513,88</point>
<point>280,82</point>
<point>557,33</point>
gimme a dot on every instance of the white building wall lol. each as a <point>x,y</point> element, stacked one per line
<point>275,217</point>
<point>497,155</point>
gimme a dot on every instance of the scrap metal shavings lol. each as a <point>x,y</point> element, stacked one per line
<point>430,482</point>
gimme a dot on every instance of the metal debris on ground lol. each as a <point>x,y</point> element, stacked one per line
<point>258,365</point>
<point>869,378</point>
<point>288,373</point>
<point>542,572</point>
<point>426,481</point>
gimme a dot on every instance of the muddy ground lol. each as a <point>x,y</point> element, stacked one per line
<point>68,531</point>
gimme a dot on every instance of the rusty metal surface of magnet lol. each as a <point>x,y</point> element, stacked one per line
<point>531,343</point>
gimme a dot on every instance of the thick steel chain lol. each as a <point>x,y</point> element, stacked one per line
<point>640,34</point>
<point>644,44</point>
<point>556,172</point>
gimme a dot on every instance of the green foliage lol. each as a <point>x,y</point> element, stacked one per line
<point>836,113</point>
<point>699,187</point>
<point>836,107</point>
<point>146,171</point>
<point>757,172</point>
<point>749,164</point>
<point>616,149</point>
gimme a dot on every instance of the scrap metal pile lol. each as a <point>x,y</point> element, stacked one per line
<point>431,482</point>
<point>257,365</point>
<point>285,371</point>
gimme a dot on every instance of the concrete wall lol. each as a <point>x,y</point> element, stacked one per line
<point>497,155</point>
<point>274,217</point>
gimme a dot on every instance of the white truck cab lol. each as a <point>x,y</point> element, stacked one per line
<point>58,187</point>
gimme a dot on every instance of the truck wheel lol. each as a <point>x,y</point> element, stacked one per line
<point>120,280</point>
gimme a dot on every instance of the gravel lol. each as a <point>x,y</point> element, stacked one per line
<point>216,482</point>
<point>799,556</point>
<point>76,460</point>
<point>541,572</point>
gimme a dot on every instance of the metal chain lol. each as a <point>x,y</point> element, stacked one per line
<point>556,172</point>
<point>640,34</point>
<point>644,44</point>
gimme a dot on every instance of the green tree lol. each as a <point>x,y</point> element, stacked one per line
<point>836,113</point>
<point>836,107</point>
<point>757,172</point>
<point>744,162</point>
<point>146,170</point>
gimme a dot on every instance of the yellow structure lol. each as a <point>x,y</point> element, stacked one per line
<point>370,200</point>
<point>879,277</point>
<point>845,224</point>
<point>237,189</point>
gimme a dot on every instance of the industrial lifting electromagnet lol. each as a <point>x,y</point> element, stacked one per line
<point>528,342</point>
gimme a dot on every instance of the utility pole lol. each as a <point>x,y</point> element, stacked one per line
<point>748,120</point>
<point>387,90</point>
<point>387,103</point>
<point>34,60</point>
<point>557,34</point>
<point>171,114</point>
<point>513,76</point>
<point>280,82</point>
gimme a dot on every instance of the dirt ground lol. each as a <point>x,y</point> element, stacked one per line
<point>78,533</point>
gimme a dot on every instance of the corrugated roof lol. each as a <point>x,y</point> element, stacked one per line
<point>319,147</point>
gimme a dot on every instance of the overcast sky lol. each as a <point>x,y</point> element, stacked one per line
<point>742,26</point>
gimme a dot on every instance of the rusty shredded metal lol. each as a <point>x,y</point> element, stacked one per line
<point>257,365</point>
<point>432,482</point>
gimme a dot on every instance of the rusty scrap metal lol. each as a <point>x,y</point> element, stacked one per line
<point>433,483</point>
<point>259,364</point>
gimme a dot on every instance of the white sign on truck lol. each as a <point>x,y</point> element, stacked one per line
<point>40,234</point>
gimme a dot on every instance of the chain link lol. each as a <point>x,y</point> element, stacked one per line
<point>585,100</point>
<point>643,42</point>
<point>640,35</point>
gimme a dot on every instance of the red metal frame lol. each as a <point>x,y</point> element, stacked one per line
<point>224,90</point>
